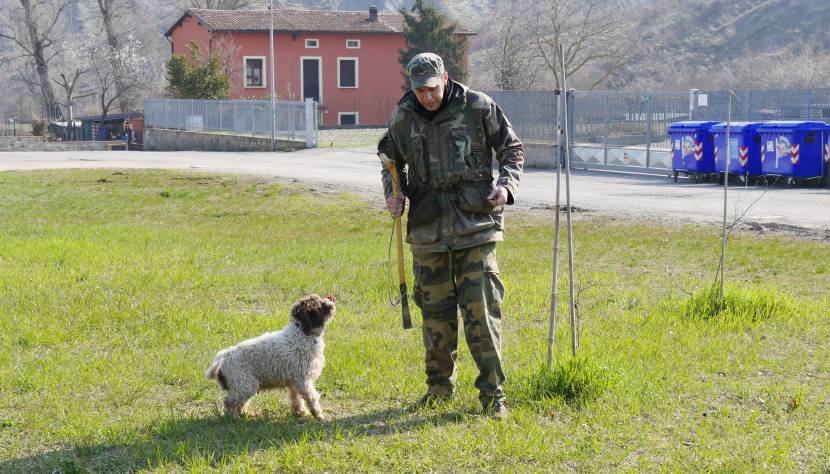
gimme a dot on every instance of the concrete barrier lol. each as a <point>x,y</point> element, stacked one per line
<point>29,143</point>
<point>159,139</point>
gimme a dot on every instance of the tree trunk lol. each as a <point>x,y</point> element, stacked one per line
<point>107,8</point>
<point>50,104</point>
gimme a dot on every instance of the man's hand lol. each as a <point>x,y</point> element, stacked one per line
<point>395,205</point>
<point>498,196</point>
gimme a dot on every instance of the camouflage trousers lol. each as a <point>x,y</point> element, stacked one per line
<point>466,280</point>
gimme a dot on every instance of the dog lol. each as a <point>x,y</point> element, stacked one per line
<point>291,358</point>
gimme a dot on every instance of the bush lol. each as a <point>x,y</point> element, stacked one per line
<point>738,305</point>
<point>576,380</point>
<point>38,128</point>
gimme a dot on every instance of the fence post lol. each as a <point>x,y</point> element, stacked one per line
<point>648,131</point>
<point>310,136</point>
<point>809,94</point>
<point>692,102</point>
<point>749,105</point>
<point>571,123</point>
<point>605,131</point>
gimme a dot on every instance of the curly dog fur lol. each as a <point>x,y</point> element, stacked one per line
<point>291,358</point>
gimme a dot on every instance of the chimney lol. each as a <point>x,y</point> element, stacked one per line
<point>373,13</point>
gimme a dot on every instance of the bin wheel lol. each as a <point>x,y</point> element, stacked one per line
<point>697,178</point>
<point>793,182</point>
<point>675,176</point>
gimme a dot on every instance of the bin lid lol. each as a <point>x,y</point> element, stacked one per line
<point>690,125</point>
<point>736,127</point>
<point>791,125</point>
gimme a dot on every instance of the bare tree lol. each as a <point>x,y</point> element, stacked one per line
<point>512,58</point>
<point>226,49</point>
<point>590,33</point>
<point>112,12</point>
<point>128,64</point>
<point>33,28</point>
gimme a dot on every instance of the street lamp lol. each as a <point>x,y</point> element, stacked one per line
<point>273,77</point>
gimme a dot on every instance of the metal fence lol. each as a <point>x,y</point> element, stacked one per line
<point>531,113</point>
<point>627,131</point>
<point>295,120</point>
<point>762,106</point>
<point>11,128</point>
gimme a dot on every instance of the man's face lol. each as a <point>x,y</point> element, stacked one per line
<point>431,97</point>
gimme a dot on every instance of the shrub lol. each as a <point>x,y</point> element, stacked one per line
<point>38,128</point>
<point>576,380</point>
<point>738,305</point>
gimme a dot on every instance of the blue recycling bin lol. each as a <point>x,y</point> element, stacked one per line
<point>744,148</point>
<point>692,148</point>
<point>796,150</point>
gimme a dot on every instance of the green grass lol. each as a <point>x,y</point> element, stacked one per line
<point>117,288</point>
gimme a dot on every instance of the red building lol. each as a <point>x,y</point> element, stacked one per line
<point>346,60</point>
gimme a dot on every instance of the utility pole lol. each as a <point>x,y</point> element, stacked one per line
<point>273,77</point>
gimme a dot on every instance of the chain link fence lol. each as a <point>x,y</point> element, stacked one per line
<point>295,120</point>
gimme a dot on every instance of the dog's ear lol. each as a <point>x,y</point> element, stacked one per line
<point>301,312</point>
<point>312,312</point>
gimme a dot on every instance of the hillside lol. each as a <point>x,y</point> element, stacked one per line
<point>708,31</point>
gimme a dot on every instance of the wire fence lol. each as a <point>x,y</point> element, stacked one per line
<point>11,128</point>
<point>233,116</point>
<point>762,106</point>
<point>628,130</point>
<point>531,113</point>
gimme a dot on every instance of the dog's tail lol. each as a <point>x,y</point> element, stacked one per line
<point>213,370</point>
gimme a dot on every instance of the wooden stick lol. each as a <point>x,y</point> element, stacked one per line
<point>393,171</point>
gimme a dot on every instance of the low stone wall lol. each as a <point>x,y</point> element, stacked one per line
<point>158,139</point>
<point>540,155</point>
<point>39,144</point>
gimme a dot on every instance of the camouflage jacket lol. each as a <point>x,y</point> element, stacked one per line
<point>454,158</point>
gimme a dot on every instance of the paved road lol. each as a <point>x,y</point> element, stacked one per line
<point>358,168</point>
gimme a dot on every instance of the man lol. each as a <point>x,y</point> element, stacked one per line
<point>442,136</point>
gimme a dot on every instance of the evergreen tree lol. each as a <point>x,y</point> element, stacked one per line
<point>196,79</point>
<point>428,30</point>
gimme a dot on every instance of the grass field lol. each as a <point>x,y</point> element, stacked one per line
<point>117,288</point>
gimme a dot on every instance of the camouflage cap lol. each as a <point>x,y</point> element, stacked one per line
<point>425,70</point>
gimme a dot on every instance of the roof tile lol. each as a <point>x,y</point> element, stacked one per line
<point>333,21</point>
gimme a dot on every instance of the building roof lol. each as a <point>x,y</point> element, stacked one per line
<point>295,21</point>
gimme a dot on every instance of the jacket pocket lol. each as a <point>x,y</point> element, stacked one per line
<point>472,197</point>
<point>422,234</point>
<point>461,158</point>
<point>423,206</point>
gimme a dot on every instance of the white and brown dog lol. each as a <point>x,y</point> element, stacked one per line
<point>290,358</point>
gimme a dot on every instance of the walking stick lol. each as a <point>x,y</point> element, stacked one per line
<point>393,172</point>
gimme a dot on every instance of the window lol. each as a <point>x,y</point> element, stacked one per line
<point>347,72</point>
<point>347,118</point>
<point>312,43</point>
<point>254,71</point>
<point>352,44</point>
